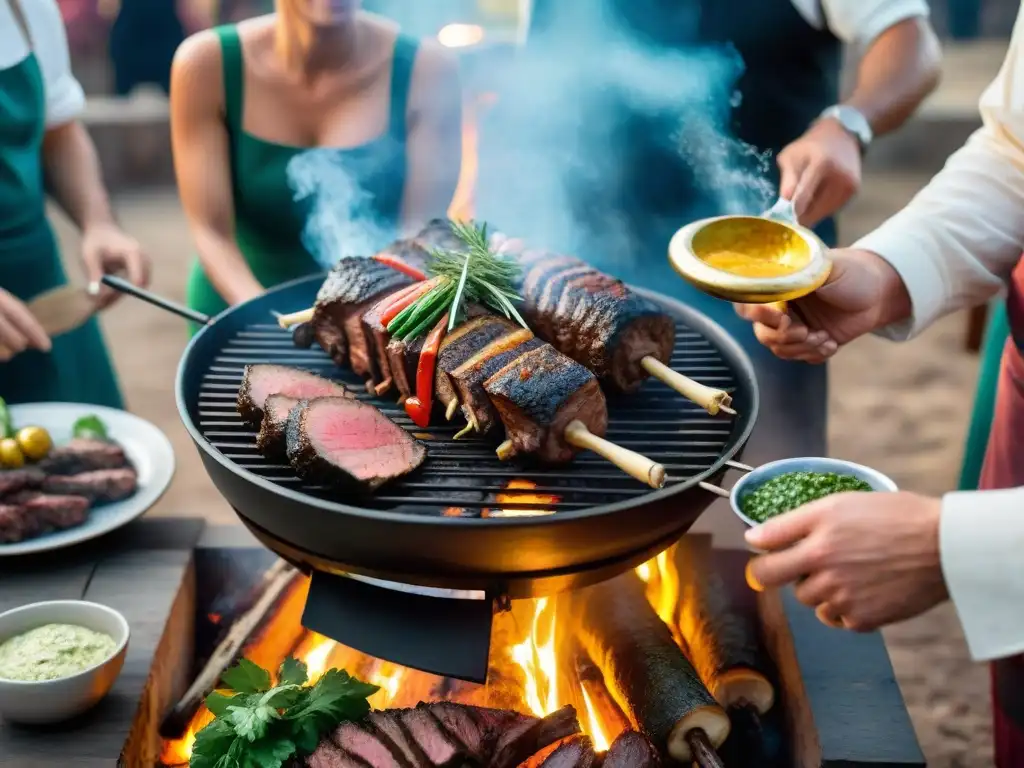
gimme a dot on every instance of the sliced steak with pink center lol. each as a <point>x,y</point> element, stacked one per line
<point>439,748</point>
<point>368,746</point>
<point>265,379</point>
<point>518,743</point>
<point>271,440</point>
<point>345,442</point>
<point>329,755</point>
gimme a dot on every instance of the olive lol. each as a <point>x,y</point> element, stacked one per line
<point>11,456</point>
<point>34,442</point>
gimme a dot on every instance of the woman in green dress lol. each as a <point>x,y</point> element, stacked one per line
<point>322,84</point>
<point>44,148</point>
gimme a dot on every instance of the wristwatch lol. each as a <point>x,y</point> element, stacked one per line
<point>852,121</point>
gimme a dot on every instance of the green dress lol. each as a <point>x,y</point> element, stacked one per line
<point>269,219</point>
<point>78,368</point>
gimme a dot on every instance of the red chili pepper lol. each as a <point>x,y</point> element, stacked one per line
<point>419,406</point>
<point>396,263</point>
<point>404,298</point>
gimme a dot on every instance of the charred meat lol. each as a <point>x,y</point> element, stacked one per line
<point>575,752</point>
<point>14,480</point>
<point>17,524</point>
<point>271,438</point>
<point>593,318</point>
<point>100,486</point>
<point>263,380</point>
<point>52,512</point>
<point>460,345</point>
<point>350,289</point>
<point>631,750</point>
<point>341,441</point>
<point>83,454</point>
<point>538,395</point>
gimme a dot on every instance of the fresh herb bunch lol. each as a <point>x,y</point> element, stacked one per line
<point>472,274</point>
<point>259,725</point>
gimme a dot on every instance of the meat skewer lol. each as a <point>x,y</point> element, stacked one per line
<point>585,314</point>
<point>647,673</point>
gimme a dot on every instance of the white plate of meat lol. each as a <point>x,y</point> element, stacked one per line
<point>104,469</point>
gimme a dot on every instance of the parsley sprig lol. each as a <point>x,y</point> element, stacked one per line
<point>260,725</point>
<point>473,273</point>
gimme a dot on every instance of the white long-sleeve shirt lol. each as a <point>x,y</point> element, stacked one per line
<point>954,246</point>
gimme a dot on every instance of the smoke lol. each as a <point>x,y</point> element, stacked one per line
<point>341,219</point>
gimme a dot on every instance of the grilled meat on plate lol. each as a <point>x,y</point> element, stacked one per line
<point>16,524</point>
<point>340,441</point>
<point>100,486</point>
<point>14,480</point>
<point>271,440</point>
<point>83,454</point>
<point>538,394</point>
<point>593,318</point>
<point>53,512</point>
<point>263,380</point>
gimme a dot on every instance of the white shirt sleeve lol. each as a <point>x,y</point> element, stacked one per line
<point>981,541</point>
<point>65,99</point>
<point>959,239</point>
<point>859,22</point>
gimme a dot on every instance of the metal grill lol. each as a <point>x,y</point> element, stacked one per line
<point>464,477</point>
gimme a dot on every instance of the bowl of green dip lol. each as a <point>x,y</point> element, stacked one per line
<point>58,659</point>
<point>781,486</point>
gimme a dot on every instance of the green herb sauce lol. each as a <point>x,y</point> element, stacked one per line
<point>53,651</point>
<point>794,489</point>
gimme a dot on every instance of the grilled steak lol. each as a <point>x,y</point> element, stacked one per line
<point>349,290</point>
<point>263,380</point>
<point>100,486</point>
<point>538,394</point>
<point>460,345</point>
<point>16,524</point>
<point>340,441</point>
<point>14,480</point>
<point>575,752</point>
<point>403,745</point>
<point>329,755</point>
<point>377,338</point>
<point>368,745</point>
<point>593,318</point>
<point>468,379</point>
<point>438,746</point>
<point>83,455</point>
<point>631,750</point>
<point>270,440</point>
<point>53,512</point>
<point>517,743</point>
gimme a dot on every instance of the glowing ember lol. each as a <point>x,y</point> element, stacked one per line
<point>518,492</point>
<point>460,35</point>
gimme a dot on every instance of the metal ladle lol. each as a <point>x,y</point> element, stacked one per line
<point>767,259</point>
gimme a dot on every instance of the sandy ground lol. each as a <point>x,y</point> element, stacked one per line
<point>904,408</point>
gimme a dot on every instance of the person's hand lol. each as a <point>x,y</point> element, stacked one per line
<point>106,250</point>
<point>820,171</point>
<point>861,560</point>
<point>863,293</point>
<point>19,329</point>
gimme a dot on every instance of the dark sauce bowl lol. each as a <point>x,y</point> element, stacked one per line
<point>766,472</point>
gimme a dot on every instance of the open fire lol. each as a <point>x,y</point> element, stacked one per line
<point>534,668</point>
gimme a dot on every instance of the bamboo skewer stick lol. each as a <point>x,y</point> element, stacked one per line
<point>710,399</point>
<point>632,463</point>
<point>295,318</point>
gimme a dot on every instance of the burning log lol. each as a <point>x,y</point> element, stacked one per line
<point>631,750</point>
<point>647,673</point>
<point>275,581</point>
<point>721,636</point>
<point>595,693</point>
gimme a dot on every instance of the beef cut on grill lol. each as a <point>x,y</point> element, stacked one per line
<point>100,486</point>
<point>263,380</point>
<point>575,752</point>
<point>631,750</point>
<point>538,394</point>
<point>593,318</point>
<point>271,438</point>
<point>442,735</point>
<point>83,455</point>
<point>341,441</point>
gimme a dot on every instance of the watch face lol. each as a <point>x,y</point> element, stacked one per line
<point>853,121</point>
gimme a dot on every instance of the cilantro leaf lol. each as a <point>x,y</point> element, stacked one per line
<point>336,696</point>
<point>251,722</point>
<point>218,703</point>
<point>247,677</point>
<point>212,744</point>
<point>284,697</point>
<point>293,672</point>
<point>269,753</point>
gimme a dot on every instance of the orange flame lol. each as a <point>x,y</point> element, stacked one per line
<point>518,492</point>
<point>463,204</point>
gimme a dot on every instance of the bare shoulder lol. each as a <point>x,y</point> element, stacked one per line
<point>197,63</point>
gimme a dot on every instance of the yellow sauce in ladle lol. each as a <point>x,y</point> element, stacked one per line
<point>751,247</point>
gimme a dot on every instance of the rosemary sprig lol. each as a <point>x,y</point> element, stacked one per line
<point>473,273</point>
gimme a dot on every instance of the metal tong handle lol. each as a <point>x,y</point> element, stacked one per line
<point>122,285</point>
<point>712,488</point>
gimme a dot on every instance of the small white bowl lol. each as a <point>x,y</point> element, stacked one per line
<point>765,472</point>
<point>52,701</point>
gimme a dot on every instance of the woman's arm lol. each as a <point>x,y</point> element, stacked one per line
<point>199,141</point>
<point>434,149</point>
<point>73,175</point>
